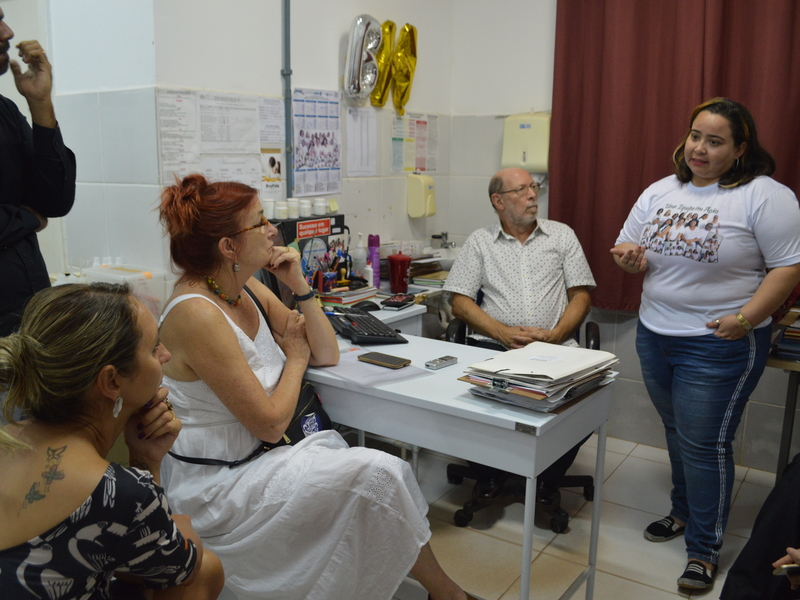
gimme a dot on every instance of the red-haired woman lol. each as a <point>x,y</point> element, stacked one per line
<point>311,521</point>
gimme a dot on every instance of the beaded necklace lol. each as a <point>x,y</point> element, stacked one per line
<point>212,285</point>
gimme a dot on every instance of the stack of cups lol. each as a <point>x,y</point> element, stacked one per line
<point>293,205</point>
<point>268,204</point>
<point>281,210</point>
<point>320,206</point>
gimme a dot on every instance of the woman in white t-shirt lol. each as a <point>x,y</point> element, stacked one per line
<point>702,351</point>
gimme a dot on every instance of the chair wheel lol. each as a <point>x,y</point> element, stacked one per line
<point>462,518</point>
<point>455,479</point>
<point>588,493</point>
<point>557,526</point>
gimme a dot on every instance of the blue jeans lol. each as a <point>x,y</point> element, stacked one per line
<point>699,386</point>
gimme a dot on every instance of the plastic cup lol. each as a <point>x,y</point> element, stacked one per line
<point>399,265</point>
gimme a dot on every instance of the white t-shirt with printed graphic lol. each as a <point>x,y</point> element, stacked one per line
<point>758,228</point>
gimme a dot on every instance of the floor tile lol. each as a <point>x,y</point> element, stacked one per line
<point>651,453</point>
<point>612,444</point>
<point>624,552</point>
<point>550,577</point>
<point>585,462</point>
<point>550,573</point>
<point>481,564</point>
<point>641,484</point>
<point>744,509</point>
<point>761,477</point>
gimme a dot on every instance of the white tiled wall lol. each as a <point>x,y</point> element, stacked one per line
<point>114,136</point>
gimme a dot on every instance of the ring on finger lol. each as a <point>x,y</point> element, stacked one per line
<point>169,407</point>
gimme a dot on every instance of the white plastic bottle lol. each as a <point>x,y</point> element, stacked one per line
<point>359,257</point>
<point>368,273</point>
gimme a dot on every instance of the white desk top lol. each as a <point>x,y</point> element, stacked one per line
<point>440,391</point>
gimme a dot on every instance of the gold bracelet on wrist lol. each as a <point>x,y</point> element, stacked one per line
<point>746,325</point>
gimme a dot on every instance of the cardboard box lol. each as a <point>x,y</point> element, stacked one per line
<point>152,287</point>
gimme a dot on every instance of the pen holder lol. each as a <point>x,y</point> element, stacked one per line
<point>399,265</point>
<point>328,281</point>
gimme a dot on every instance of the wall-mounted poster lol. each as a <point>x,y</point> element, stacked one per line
<point>317,143</point>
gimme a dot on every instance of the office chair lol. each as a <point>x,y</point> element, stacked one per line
<point>514,485</point>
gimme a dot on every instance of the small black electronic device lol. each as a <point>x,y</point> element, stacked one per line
<point>398,301</point>
<point>787,570</point>
<point>438,363</point>
<point>367,305</point>
<point>384,360</point>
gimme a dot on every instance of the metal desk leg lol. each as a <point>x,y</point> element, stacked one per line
<point>527,538</point>
<point>788,423</point>
<point>599,468</point>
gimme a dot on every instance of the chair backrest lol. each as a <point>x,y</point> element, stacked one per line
<point>456,331</point>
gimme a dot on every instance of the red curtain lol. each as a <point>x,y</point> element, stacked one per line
<point>628,74</point>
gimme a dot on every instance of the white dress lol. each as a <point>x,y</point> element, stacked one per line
<point>317,520</point>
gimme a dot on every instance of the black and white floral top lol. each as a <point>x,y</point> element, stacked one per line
<point>125,526</point>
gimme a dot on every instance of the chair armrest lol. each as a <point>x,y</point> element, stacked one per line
<point>592,335</point>
<point>456,331</point>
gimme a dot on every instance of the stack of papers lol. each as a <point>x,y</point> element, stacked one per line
<point>541,376</point>
<point>347,297</point>
<point>789,345</point>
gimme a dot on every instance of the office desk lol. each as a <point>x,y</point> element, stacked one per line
<point>435,411</point>
<point>791,397</point>
<point>789,410</point>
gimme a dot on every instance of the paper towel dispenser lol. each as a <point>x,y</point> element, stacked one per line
<point>526,142</point>
<point>421,196</point>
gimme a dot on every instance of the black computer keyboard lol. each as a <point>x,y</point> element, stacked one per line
<point>360,327</point>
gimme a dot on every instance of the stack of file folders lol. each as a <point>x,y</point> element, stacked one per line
<point>789,345</point>
<point>541,376</point>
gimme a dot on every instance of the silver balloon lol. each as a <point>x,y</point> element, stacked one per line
<point>361,67</point>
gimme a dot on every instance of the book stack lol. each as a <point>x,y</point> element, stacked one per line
<point>434,280</point>
<point>541,376</point>
<point>789,344</point>
<point>348,297</point>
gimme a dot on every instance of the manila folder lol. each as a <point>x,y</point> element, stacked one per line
<point>549,362</point>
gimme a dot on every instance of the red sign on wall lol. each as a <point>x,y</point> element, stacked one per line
<point>309,229</point>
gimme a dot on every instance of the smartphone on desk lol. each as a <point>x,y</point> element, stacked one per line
<point>384,360</point>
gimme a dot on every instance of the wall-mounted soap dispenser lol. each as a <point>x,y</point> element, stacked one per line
<point>526,141</point>
<point>421,196</point>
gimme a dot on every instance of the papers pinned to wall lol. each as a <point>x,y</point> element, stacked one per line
<point>226,137</point>
<point>317,142</point>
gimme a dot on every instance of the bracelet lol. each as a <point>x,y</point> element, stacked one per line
<point>304,297</point>
<point>746,325</point>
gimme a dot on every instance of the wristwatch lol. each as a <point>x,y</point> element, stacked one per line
<point>747,325</point>
<point>304,297</point>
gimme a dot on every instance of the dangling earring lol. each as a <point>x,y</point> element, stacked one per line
<point>236,267</point>
<point>736,165</point>
<point>117,407</point>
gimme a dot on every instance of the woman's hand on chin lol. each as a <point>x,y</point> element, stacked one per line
<point>285,264</point>
<point>151,431</point>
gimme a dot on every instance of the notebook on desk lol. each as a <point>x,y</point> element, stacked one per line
<point>361,327</point>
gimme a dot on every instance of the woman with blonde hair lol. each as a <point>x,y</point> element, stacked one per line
<point>84,366</point>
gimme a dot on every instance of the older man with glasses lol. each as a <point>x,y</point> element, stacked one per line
<point>534,281</point>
